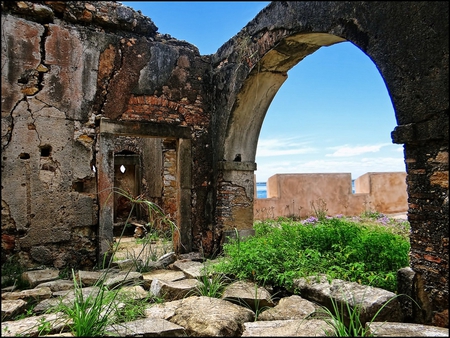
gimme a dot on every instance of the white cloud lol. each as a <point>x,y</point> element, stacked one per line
<point>280,146</point>
<point>356,167</point>
<point>347,151</point>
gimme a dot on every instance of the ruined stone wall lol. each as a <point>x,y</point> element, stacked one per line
<point>69,65</point>
<point>427,166</point>
<point>66,65</point>
<point>302,195</point>
<point>408,43</point>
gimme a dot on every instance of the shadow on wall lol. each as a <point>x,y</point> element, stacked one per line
<point>299,195</point>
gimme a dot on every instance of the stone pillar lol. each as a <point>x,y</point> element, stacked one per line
<point>105,172</point>
<point>235,197</point>
<point>184,203</point>
<point>426,158</point>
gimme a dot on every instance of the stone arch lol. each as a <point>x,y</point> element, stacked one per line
<point>261,86</point>
<point>412,58</point>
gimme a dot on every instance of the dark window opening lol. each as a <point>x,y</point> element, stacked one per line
<point>46,151</point>
<point>125,152</point>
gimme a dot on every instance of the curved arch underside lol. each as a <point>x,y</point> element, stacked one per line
<point>261,86</point>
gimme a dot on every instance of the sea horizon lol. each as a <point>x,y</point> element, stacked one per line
<point>261,189</point>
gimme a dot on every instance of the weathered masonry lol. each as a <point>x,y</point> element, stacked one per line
<point>92,91</point>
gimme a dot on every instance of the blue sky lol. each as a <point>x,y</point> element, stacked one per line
<point>332,115</point>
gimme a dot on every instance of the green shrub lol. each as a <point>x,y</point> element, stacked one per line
<point>369,253</point>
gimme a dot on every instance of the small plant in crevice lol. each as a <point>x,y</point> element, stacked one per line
<point>211,285</point>
<point>258,308</point>
<point>345,319</point>
<point>12,274</point>
<point>44,327</point>
<point>132,308</point>
<point>89,314</point>
<point>254,305</point>
<point>27,313</point>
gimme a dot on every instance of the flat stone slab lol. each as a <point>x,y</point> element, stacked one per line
<point>147,327</point>
<point>248,294</point>
<point>36,277</point>
<point>170,291</point>
<point>293,307</point>
<point>36,294</point>
<point>165,275</point>
<point>11,307</point>
<point>374,303</point>
<point>191,269</point>
<point>57,285</point>
<point>287,328</point>
<point>211,317</point>
<point>390,329</point>
<point>30,326</point>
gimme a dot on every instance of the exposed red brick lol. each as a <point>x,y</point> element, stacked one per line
<point>440,178</point>
<point>432,258</point>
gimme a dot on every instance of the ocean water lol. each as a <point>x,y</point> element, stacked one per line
<point>261,189</point>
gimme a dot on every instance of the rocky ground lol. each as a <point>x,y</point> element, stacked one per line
<point>244,309</point>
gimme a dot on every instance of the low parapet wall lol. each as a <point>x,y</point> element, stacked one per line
<point>303,195</point>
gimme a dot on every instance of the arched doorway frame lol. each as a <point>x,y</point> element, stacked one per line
<point>409,46</point>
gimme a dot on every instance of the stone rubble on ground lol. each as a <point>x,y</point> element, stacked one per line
<point>245,309</point>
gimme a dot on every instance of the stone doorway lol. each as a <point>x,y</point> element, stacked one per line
<point>110,165</point>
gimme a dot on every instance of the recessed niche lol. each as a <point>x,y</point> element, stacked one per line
<point>46,150</point>
<point>24,156</point>
<point>78,186</point>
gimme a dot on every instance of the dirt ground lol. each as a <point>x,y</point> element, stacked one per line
<point>144,249</point>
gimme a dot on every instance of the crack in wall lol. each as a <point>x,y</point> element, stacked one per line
<point>28,192</point>
<point>32,80</point>
<point>32,125</point>
<point>43,67</point>
<point>114,73</point>
<point>8,134</point>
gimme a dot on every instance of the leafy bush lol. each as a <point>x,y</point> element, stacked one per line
<point>367,252</point>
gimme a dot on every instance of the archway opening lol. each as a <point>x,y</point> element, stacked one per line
<point>333,114</point>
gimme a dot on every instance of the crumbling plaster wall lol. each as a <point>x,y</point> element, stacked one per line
<point>66,65</point>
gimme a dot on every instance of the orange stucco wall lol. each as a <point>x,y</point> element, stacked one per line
<point>302,195</point>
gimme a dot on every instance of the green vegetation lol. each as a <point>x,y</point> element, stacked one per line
<point>368,250</point>
<point>12,274</point>
<point>352,325</point>
<point>211,285</point>
<point>91,314</point>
